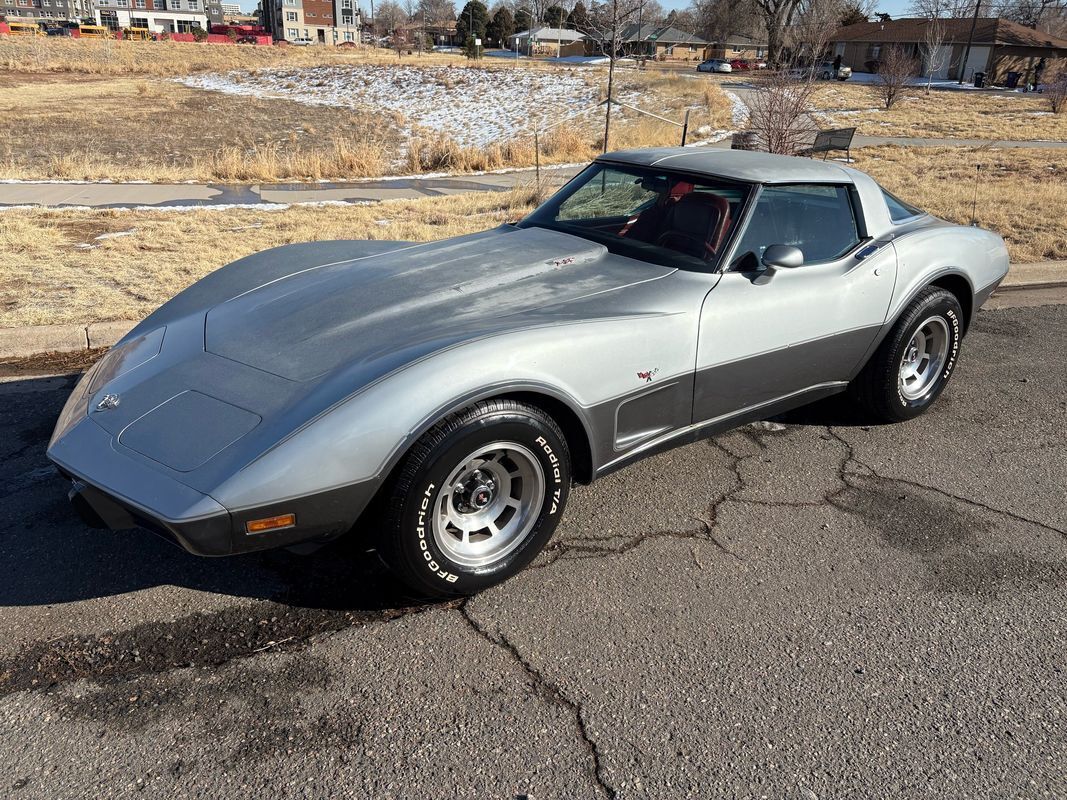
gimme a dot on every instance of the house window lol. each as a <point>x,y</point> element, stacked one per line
<point>875,52</point>
<point>140,4</point>
<point>348,36</point>
<point>290,16</point>
<point>186,25</point>
<point>122,3</point>
<point>292,33</point>
<point>138,22</point>
<point>194,5</point>
<point>174,4</point>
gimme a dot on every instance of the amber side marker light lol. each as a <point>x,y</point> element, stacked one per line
<point>270,523</point>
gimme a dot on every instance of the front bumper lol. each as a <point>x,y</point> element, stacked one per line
<point>113,490</point>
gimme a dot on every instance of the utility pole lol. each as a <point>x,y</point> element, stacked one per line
<point>611,68</point>
<point>970,38</point>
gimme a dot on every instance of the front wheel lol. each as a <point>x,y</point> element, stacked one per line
<point>476,498</point>
<point>915,361</point>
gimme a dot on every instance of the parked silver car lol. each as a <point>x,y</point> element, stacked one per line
<point>456,389</point>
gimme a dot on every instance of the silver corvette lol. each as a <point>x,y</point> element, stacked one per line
<point>456,389</point>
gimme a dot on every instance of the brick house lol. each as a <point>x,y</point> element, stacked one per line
<point>999,46</point>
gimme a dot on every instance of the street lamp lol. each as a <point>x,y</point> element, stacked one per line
<point>529,11</point>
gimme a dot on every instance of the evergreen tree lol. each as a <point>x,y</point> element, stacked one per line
<point>579,17</point>
<point>555,16</point>
<point>472,21</point>
<point>523,20</point>
<point>500,27</point>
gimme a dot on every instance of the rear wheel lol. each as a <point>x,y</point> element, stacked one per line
<point>915,361</point>
<point>476,498</point>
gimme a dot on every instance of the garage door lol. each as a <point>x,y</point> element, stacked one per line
<point>976,62</point>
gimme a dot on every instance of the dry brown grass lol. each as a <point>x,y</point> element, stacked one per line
<point>104,57</point>
<point>942,114</point>
<point>46,278</point>
<point>1022,193</point>
<point>90,128</point>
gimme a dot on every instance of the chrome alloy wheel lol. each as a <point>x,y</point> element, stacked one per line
<point>923,358</point>
<point>488,504</point>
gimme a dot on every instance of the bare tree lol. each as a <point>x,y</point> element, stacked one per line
<point>952,9</point>
<point>779,110</point>
<point>895,72</point>
<point>715,20</point>
<point>1055,86</point>
<point>932,46</point>
<point>777,16</point>
<point>1049,16</point>
<point>816,22</point>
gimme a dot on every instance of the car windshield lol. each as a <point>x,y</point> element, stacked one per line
<point>667,218</point>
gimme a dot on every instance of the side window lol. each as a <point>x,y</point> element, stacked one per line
<point>898,209</point>
<point>817,218</point>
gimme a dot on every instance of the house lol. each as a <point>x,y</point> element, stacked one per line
<point>999,46</point>
<point>543,40</point>
<point>737,45</point>
<point>662,43</point>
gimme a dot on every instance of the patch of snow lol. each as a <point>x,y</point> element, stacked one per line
<point>476,106</point>
<point>738,109</point>
<point>116,234</point>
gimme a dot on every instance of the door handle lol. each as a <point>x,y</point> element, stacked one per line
<point>869,250</point>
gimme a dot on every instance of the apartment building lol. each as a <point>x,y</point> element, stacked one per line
<point>159,16</point>
<point>47,9</point>
<point>326,22</point>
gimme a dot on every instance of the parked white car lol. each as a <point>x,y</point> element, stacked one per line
<point>715,65</point>
<point>303,41</point>
<point>826,71</point>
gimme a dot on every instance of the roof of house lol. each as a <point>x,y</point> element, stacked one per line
<point>989,30</point>
<point>742,39</point>
<point>546,34</point>
<point>658,33</point>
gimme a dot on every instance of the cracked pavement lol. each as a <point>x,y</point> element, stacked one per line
<point>802,608</point>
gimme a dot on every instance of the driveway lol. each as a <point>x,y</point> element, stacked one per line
<point>806,609</point>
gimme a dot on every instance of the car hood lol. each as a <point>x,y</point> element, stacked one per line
<point>399,305</point>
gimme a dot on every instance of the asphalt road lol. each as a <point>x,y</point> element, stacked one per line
<point>814,610</point>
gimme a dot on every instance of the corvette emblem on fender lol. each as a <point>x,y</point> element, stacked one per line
<point>108,401</point>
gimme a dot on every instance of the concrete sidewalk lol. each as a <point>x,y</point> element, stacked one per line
<point>1050,277</point>
<point>180,195</point>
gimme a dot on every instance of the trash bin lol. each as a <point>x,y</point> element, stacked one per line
<point>744,140</point>
<point>1013,80</point>
<point>979,80</point>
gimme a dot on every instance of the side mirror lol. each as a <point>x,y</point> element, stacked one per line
<point>783,256</point>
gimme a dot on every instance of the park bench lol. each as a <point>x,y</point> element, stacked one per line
<point>825,141</point>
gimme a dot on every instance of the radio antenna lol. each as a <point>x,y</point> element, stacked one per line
<point>974,203</point>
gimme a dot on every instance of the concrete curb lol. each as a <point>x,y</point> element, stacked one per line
<point>34,340</point>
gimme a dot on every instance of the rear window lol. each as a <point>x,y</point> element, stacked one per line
<point>898,209</point>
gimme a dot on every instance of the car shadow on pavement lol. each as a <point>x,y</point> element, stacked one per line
<point>47,555</point>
